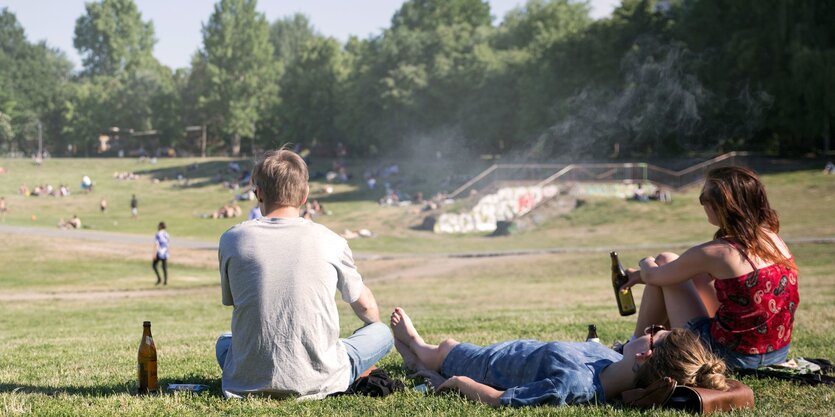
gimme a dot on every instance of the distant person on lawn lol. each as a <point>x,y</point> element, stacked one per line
<point>134,206</point>
<point>281,272</point>
<point>161,253</point>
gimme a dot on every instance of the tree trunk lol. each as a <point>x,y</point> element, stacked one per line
<point>236,144</point>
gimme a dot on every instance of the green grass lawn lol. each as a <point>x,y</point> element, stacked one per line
<point>78,356</point>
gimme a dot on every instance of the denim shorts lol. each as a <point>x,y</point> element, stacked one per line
<point>734,360</point>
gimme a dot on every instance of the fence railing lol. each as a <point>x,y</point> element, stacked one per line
<point>545,174</point>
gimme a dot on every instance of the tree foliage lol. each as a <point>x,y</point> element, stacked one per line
<point>657,77</point>
<point>239,68</point>
<point>34,81</point>
<point>111,37</point>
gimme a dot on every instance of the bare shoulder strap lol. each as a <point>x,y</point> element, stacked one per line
<point>739,248</point>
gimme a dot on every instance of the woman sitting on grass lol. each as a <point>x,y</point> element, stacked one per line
<point>527,372</point>
<point>738,291</point>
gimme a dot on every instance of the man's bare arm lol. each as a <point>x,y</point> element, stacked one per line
<point>366,307</point>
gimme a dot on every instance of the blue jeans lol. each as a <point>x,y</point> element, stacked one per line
<point>735,360</point>
<point>365,347</point>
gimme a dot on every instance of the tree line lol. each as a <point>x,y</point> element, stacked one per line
<point>657,78</point>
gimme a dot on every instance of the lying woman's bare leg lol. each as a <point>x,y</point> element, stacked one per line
<point>707,292</point>
<point>427,356</point>
<point>410,361</point>
<point>653,306</point>
<point>653,309</point>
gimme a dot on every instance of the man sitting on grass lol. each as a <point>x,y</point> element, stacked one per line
<point>280,272</point>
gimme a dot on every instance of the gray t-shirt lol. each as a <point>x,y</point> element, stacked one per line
<point>281,275</point>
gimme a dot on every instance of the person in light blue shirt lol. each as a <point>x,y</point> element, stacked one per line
<point>528,372</point>
<point>161,253</point>
<point>255,213</point>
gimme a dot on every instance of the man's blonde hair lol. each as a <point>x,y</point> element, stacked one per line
<point>682,357</point>
<point>281,177</point>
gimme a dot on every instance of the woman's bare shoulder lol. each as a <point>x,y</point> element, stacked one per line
<point>715,248</point>
<point>779,243</point>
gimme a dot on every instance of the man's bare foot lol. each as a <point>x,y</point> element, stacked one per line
<point>403,329</point>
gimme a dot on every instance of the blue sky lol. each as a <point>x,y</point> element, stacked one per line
<point>177,23</point>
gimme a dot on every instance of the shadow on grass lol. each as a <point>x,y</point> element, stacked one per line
<point>127,387</point>
<point>200,174</point>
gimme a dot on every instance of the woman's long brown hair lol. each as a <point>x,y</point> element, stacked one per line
<point>738,198</point>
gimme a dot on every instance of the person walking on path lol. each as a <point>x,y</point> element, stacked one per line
<point>134,206</point>
<point>280,272</point>
<point>161,253</point>
<point>3,209</point>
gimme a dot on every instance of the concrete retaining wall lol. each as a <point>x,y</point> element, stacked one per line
<point>511,202</point>
<point>504,205</point>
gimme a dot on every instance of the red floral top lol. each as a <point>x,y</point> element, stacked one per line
<point>756,310</point>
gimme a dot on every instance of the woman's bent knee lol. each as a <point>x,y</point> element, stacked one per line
<point>447,345</point>
<point>665,257</point>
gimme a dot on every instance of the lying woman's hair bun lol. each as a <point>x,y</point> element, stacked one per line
<point>712,375</point>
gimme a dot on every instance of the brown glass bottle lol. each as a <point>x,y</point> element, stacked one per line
<point>592,336</point>
<point>147,362</point>
<point>626,303</point>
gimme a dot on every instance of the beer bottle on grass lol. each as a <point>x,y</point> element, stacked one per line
<point>626,303</point>
<point>592,336</point>
<point>147,362</point>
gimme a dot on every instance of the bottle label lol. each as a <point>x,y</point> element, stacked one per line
<point>627,302</point>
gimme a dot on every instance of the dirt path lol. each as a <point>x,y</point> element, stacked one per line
<point>376,268</point>
<point>104,295</point>
<point>376,271</point>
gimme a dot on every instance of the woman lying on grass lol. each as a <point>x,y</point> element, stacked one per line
<point>738,291</point>
<point>527,372</point>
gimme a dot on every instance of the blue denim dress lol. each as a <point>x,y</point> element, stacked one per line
<point>532,372</point>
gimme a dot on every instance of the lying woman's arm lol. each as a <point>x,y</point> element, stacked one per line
<point>473,390</point>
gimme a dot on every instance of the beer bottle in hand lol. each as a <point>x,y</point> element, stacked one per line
<point>626,303</point>
<point>147,366</point>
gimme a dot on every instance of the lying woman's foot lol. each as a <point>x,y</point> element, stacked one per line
<point>403,329</point>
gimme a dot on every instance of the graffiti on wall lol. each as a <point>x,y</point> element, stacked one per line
<point>612,189</point>
<point>504,205</point>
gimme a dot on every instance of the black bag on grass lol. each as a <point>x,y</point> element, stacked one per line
<point>377,384</point>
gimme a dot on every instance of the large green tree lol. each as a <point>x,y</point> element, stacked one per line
<point>785,49</point>
<point>290,37</point>
<point>310,95</point>
<point>34,79</point>
<point>411,81</point>
<point>240,68</point>
<point>122,84</point>
<point>111,37</point>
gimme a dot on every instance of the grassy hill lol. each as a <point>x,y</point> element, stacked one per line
<point>804,200</point>
<point>71,311</point>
